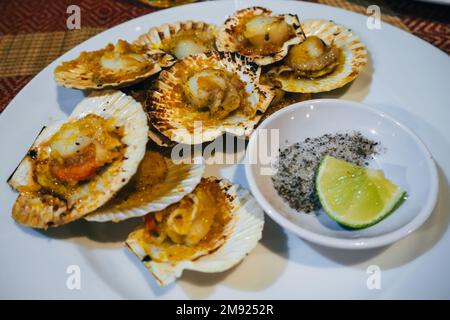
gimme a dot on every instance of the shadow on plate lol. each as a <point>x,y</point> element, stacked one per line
<point>68,98</point>
<point>146,276</point>
<point>98,235</point>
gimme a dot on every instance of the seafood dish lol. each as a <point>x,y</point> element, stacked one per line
<point>184,83</point>
<point>114,66</point>
<point>77,165</point>
<point>259,34</point>
<point>219,90</point>
<point>329,57</point>
<point>181,39</point>
<point>209,230</point>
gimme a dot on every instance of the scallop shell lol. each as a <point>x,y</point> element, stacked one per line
<point>160,139</point>
<point>171,116</point>
<point>37,211</point>
<point>139,92</point>
<point>241,236</point>
<point>227,39</point>
<point>154,38</point>
<point>354,51</point>
<point>181,179</point>
<point>76,74</point>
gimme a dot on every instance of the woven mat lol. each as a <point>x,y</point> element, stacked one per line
<point>33,33</point>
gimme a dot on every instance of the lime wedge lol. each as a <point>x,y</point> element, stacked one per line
<point>354,196</point>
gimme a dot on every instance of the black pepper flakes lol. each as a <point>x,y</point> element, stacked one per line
<point>298,163</point>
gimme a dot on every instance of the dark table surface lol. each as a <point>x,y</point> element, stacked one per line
<point>33,32</point>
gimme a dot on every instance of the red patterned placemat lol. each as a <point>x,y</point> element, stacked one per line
<point>33,33</point>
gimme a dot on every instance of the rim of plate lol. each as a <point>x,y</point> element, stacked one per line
<point>336,242</point>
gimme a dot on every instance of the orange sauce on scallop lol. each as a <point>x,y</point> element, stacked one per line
<point>246,48</point>
<point>213,205</point>
<point>146,184</point>
<point>191,115</point>
<point>199,37</point>
<point>62,175</point>
<point>94,71</point>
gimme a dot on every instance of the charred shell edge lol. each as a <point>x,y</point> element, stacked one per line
<point>76,78</point>
<point>154,37</point>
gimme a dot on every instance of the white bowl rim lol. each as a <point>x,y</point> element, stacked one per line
<point>334,242</point>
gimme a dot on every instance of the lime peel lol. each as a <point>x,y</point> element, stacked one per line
<point>354,196</point>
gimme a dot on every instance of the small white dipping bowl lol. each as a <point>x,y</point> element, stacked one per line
<point>403,157</point>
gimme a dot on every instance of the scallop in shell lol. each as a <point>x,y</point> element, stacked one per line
<point>114,66</point>
<point>158,183</point>
<point>181,39</point>
<point>331,51</point>
<point>77,165</point>
<point>205,95</point>
<point>210,230</point>
<point>259,34</point>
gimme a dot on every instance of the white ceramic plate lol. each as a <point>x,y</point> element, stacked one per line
<point>402,157</point>
<point>406,78</point>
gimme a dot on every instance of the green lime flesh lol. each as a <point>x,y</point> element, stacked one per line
<point>354,196</point>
